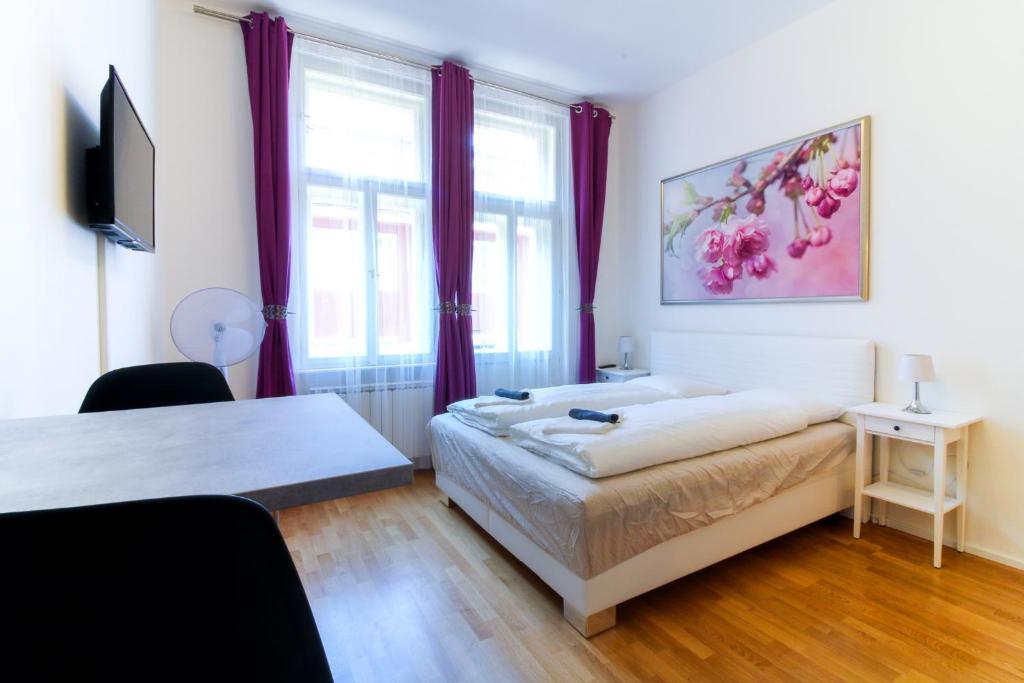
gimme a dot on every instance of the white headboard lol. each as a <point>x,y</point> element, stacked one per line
<point>840,369</point>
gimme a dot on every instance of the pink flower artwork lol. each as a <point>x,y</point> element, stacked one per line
<point>844,181</point>
<point>761,266</point>
<point>710,245</point>
<point>715,280</point>
<point>784,223</point>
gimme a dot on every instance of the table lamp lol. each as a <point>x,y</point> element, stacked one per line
<point>626,347</point>
<point>917,368</point>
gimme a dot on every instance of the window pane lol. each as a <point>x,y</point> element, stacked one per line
<point>513,157</point>
<point>357,128</point>
<point>533,284</point>
<point>403,285</point>
<point>491,286</point>
<point>336,274</point>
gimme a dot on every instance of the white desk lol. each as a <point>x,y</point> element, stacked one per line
<point>281,452</point>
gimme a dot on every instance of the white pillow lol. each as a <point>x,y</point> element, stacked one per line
<point>818,408</point>
<point>679,386</point>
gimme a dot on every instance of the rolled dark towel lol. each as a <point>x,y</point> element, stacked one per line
<point>514,395</point>
<point>593,415</point>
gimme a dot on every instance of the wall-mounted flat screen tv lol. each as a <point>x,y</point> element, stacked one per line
<point>121,172</point>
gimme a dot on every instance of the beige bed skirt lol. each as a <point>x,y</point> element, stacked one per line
<point>591,525</point>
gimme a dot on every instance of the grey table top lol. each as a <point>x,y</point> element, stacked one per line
<point>281,452</point>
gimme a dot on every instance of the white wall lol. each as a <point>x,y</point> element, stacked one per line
<point>205,167</point>
<point>939,80</point>
<point>53,332</point>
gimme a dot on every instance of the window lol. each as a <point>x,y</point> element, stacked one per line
<point>363,288</point>
<point>513,156</point>
<point>520,249</point>
<point>363,278</point>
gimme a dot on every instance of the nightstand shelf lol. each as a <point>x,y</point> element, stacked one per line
<point>908,496</point>
<point>889,422</point>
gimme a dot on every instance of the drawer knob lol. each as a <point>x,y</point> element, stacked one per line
<point>896,428</point>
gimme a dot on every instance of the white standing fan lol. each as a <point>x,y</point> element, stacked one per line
<point>219,326</point>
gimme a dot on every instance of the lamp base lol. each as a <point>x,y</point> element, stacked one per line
<point>917,407</point>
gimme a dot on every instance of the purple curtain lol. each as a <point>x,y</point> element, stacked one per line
<point>452,193</point>
<point>590,129</point>
<point>268,51</point>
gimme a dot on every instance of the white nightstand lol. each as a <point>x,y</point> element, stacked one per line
<point>620,374</point>
<point>938,429</point>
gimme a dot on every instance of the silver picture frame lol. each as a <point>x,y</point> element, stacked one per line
<point>865,219</point>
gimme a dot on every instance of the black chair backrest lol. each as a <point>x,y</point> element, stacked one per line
<point>187,589</point>
<point>153,386</point>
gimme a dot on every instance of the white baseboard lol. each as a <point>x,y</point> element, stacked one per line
<point>1001,558</point>
<point>924,530</point>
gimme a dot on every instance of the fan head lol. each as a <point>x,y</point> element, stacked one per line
<point>217,325</point>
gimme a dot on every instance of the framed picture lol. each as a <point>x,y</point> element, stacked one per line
<point>785,223</point>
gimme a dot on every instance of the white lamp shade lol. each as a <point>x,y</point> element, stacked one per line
<point>626,345</point>
<point>917,367</point>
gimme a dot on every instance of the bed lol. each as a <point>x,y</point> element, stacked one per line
<point>599,542</point>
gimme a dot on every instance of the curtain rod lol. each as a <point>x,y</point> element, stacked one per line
<point>224,16</point>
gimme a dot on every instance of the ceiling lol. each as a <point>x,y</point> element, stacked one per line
<point>609,50</point>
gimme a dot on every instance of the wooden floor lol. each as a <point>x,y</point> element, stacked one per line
<point>404,589</point>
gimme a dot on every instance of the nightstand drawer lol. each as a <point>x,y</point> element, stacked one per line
<point>603,376</point>
<point>907,430</point>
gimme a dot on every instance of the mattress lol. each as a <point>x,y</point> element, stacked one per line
<point>591,525</point>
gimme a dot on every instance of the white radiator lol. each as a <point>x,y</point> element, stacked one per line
<point>399,412</point>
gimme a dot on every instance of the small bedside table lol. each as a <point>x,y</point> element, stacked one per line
<point>620,374</point>
<point>938,429</point>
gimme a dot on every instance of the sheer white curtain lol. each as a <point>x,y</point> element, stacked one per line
<point>363,292</point>
<point>524,264</point>
<point>363,289</point>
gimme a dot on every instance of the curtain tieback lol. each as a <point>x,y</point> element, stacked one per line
<point>586,308</point>
<point>452,308</point>
<point>275,312</point>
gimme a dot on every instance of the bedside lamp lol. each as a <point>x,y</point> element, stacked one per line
<point>626,347</point>
<point>917,368</point>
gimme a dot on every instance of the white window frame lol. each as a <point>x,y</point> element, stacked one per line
<point>370,187</point>
<point>514,208</point>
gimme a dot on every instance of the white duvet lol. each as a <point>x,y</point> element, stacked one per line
<point>552,402</point>
<point>671,430</point>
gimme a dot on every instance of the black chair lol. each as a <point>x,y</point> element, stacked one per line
<point>153,386</point>
<point>186,589</point>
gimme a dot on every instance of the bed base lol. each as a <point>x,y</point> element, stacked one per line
<point>589,604</point>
